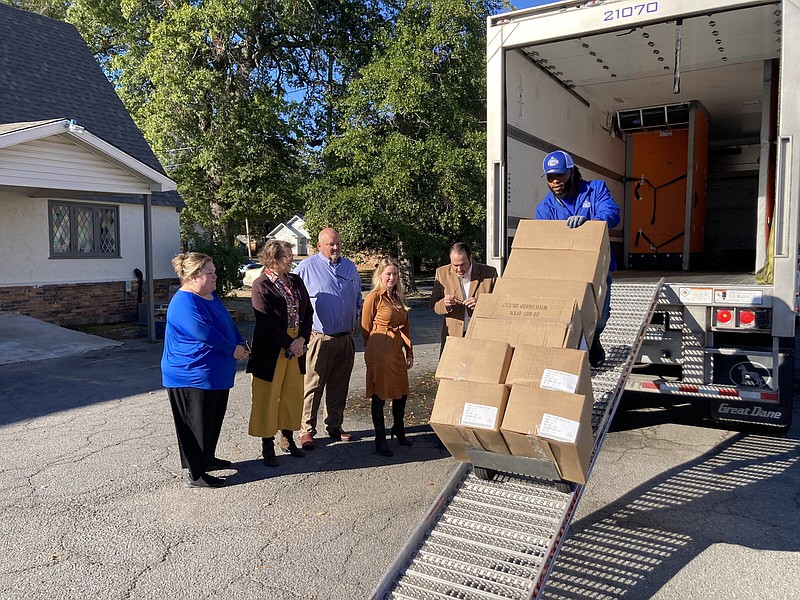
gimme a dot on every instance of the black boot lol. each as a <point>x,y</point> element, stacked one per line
<point>398,428</point>
<point>597,356</point>
<point>268,449</point>
<point>381,446</point>
<point>287,443</point>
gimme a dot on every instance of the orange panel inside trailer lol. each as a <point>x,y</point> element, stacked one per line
<point>664,164</point>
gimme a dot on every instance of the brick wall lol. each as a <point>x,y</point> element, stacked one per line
<point>81,303</point>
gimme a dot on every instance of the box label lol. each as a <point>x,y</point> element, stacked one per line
<point>560,381</point>
<point>558,428</point>
<point>479,415</point>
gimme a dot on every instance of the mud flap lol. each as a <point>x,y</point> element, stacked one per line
<point>756,401</point>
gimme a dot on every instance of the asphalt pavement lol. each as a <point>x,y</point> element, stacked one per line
<point>94,504</point>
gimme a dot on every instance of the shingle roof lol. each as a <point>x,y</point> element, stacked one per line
<point>47,72</point>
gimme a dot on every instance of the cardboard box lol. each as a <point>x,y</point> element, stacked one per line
<point>519,319</point>
<point>592,236</point>
<point>557,424</point>
<point>467,415</point>
<point>561,265</point>
<point>580,291</point>
<point>521,307</point>
<point>550,250</point>
<point>482,361</point>
<point>558,369</point>
<point>515,333</point>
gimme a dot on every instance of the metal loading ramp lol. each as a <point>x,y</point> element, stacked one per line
<point>498,538</point>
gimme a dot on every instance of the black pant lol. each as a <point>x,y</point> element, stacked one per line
<point>198,416</point>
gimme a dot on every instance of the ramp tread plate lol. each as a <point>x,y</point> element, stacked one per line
<point>493,560</point>
<point>460,507</point>
<point>453,584</point>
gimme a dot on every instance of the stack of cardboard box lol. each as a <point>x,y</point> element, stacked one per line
<point>519,382</point>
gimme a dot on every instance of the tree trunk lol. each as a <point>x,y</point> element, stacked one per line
<point>406,261</point>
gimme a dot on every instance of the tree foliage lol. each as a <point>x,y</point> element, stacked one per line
<point>406,172</point>
<point>370,111</point>
<point>230,94</point>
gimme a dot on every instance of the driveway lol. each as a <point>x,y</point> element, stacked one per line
<point>93,501</point>
<point>25,339</point>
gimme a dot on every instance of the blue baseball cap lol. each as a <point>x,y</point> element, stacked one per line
<point>558,162</point>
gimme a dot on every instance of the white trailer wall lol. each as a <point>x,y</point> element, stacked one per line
<point>538,103</point>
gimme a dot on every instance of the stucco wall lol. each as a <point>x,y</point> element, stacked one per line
<point>26,257</point>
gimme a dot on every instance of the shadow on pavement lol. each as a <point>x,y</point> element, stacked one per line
<point>739,493</point>
<point>337,456</point>
<point>34,389</point>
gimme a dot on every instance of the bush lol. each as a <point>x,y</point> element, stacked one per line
<point>226,260</point>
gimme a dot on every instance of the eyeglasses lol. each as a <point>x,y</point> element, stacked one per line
<point>289,256</point>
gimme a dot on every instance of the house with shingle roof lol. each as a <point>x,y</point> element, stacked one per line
<point>89,220</point>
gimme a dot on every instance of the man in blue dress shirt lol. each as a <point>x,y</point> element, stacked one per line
<point>575,200</point>
<point>334,284</point>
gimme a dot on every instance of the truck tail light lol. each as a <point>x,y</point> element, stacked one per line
<point>747,318</point>
<point>723,317</point>
<point>741,318</point>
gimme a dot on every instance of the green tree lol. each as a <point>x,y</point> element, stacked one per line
<point>229,94</point>
<point>406,172</point>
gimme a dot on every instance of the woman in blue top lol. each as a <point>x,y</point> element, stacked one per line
<point>575,200</point>
<point>201,347</point>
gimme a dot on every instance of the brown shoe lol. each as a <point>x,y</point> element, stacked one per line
<point>307,441</point>
<point>341,436</point>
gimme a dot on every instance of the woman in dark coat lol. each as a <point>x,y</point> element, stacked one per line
<point>277,364</point>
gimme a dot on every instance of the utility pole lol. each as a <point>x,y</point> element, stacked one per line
<point>247,233</point>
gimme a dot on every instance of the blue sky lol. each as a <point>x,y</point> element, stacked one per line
<point>529,3</point>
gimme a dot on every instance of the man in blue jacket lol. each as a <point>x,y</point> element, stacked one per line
<point>575,200</point>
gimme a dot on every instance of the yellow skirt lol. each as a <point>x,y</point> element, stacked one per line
<point>277,404</point>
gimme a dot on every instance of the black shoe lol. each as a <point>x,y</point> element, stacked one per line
<point>205,481</point>
<point>400,434</point>
<point>381,447</point>
<point>287,443</point>
<point>597,355</point>
<point>219,463</point>
<point>268,450</point>
<point>398,429</point>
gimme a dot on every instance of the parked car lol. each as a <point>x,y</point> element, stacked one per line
<point>248,262</point>
<point>254,270</point>
<point>251,274</point>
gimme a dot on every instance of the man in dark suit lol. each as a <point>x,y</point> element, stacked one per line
<point>457,288</point>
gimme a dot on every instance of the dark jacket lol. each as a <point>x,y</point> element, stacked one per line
<point>272,320</point>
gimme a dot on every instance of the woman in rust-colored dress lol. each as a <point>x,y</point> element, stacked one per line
<point>387,351</point>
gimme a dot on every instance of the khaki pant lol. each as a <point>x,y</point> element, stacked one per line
<point>329,363</point>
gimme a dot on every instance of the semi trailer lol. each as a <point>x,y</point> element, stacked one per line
<point>688,110</point>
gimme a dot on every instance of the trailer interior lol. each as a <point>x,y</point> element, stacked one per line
<point>645,80</point>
